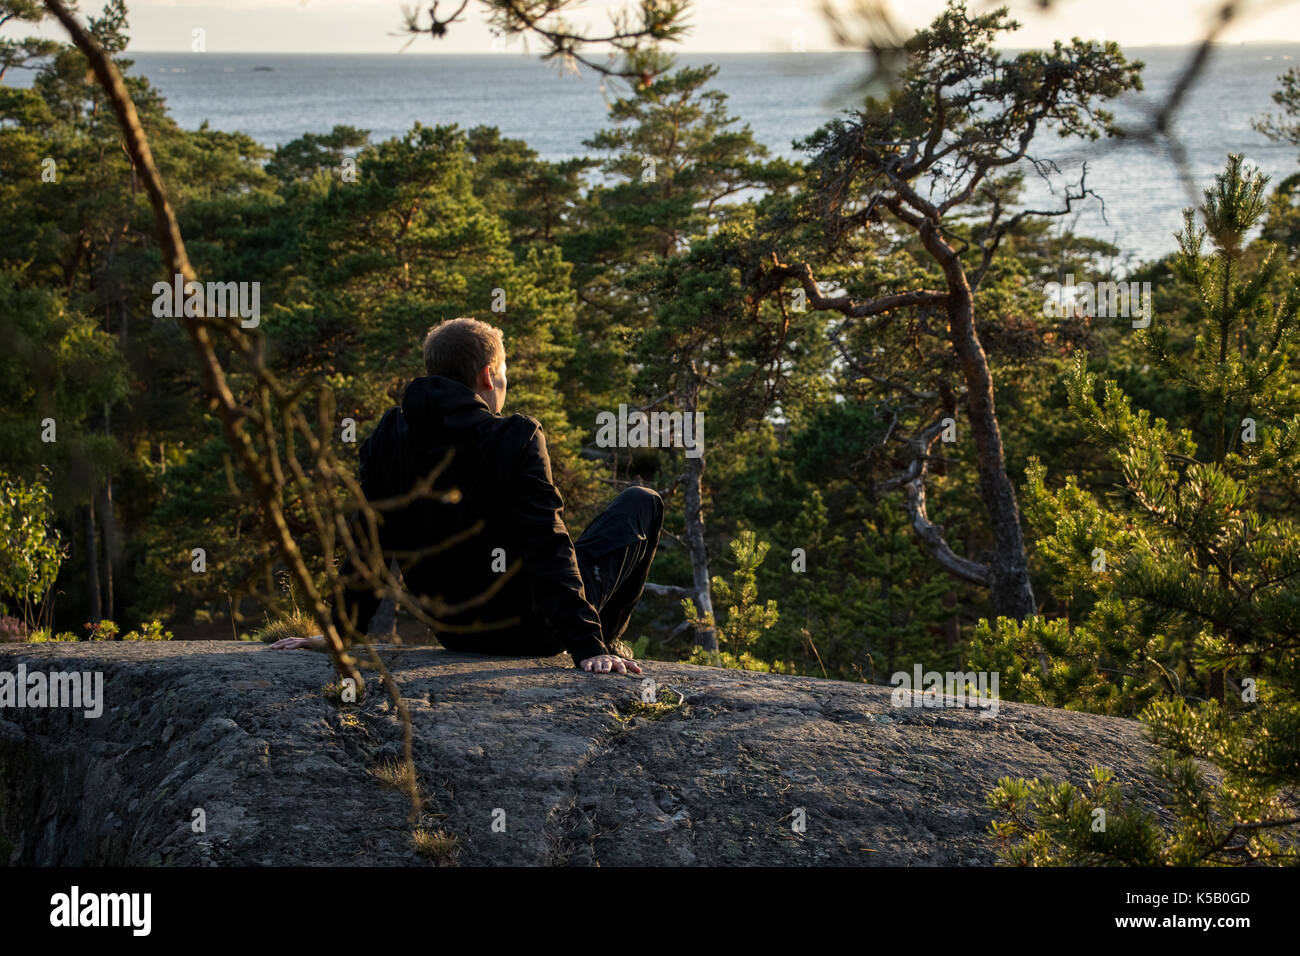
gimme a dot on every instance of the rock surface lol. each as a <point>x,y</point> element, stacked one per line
<point>561,758</point>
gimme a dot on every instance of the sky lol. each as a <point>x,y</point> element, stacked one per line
<point>373,26</point>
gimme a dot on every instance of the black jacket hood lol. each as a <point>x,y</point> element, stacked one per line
<point>432,403</point>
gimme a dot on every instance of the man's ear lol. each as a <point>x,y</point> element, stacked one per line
<point>485,377</point>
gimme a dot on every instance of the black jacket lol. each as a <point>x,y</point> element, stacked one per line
<point>503,473</point>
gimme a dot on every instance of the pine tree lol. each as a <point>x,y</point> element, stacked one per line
<point>747,618</point>
<point>1192,573</point>
<point>653,273</point>
<point>903,173</point>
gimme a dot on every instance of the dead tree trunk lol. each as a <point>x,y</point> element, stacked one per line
<point>92,564</point>
<point>108,534</point>
<point>706,636</point>
<point>108,529</point>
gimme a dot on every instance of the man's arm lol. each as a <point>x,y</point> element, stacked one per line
<point>550,562</point>
<point>377,483</point>
<point>360,602</point>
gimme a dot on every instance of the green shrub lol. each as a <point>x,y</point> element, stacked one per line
<point>149,631</point>
<point>30,553</point>
<point>744,661</point>
<point>44,636</point>
<point>104,630</point>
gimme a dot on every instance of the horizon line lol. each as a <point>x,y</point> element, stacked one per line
<point>534,54</point>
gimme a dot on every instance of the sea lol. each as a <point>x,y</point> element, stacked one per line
<point>783,97</point>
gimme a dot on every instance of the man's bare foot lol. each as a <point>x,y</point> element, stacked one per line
<point>609,663</point>
<point>314,643</point>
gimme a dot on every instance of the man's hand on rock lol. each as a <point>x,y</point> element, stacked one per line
<point>314,643</point>
<point>609,663</point>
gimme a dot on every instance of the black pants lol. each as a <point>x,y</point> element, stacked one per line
<point>614,556</point>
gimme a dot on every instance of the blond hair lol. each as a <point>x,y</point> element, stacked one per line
<point>459,349</point>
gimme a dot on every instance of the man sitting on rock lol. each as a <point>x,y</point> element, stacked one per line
<point>564,596</point>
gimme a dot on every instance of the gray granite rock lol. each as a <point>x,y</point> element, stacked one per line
<point>242,739</point>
